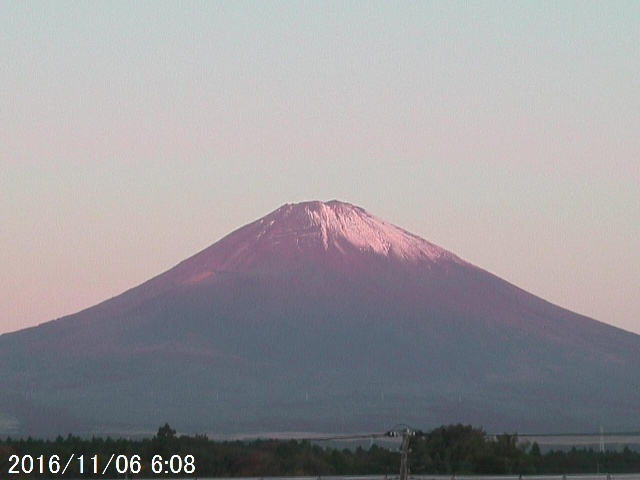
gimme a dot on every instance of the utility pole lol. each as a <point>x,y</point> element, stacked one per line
<point>404,450</point>
<point>405,432</point>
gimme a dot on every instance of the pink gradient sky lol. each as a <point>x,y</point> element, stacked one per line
<point>134,135</point>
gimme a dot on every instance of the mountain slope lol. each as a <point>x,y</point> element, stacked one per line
<point>320,317</point>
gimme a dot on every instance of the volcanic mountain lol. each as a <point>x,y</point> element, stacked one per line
<point>319,317</point>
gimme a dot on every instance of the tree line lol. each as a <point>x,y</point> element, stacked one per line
<point>451,449</point>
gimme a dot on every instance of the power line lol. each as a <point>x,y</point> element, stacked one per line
<point>403,431</point>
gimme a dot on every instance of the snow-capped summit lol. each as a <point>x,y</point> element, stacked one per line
<point>314,232</point>
<point>342,226</point>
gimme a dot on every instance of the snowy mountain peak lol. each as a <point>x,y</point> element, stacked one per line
<point>333,234</point>
<point>342,226</point>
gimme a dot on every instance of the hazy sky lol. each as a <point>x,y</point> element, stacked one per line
<point>134,134</point>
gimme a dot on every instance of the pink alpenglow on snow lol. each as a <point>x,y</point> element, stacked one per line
<point>334,234</point>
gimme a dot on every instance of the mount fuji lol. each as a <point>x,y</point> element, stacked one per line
<point>319,317</point>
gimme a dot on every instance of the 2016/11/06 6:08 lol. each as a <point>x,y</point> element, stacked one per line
<point>122,464</point>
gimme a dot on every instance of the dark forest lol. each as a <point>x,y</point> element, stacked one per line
<point>451,449</point>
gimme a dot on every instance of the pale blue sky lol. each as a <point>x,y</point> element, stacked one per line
<point>132,135</point>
